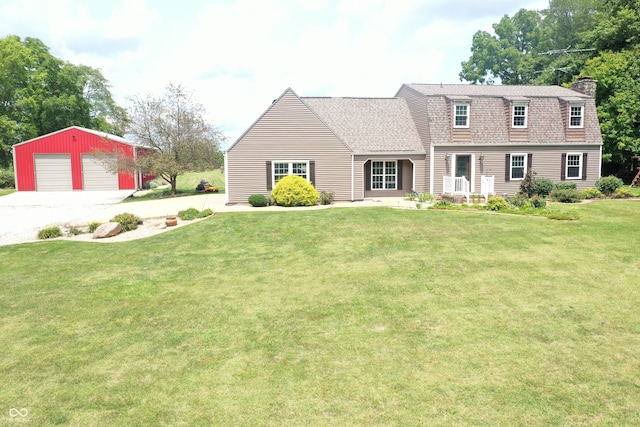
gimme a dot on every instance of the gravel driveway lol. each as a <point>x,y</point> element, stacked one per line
<point>24,213</point>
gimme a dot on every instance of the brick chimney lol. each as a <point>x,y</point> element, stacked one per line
<point>586,85</point>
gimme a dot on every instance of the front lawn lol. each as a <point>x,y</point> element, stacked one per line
<point>367,316</point>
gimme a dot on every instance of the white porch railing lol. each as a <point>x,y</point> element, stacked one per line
<point>487,186</point>
<point>457,185</point>
<point>460,185</point>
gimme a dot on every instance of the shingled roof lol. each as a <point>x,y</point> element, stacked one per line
<point>496,90</point>
<point>369,125</point>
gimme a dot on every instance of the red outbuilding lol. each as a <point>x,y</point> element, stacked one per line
<point>71,159</point>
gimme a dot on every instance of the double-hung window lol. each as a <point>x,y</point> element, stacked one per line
<point>384,175</point>
<point>518,166</point>
<point>461,115</point>
<point>576,115</point>
<point>282,169</point>
<point>520,111</point>
<point>574,166</point>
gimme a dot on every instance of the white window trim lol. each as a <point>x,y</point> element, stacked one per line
<point>290,171</point>
<point>384,175</point>
<point>526,158</point>
<point>566,167</point>
<point>455,105</point>
<point>526,114</point>
<point>574,105</point>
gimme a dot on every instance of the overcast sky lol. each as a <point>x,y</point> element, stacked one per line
<point>236,56</point>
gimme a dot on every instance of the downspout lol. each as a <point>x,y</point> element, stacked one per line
<point>226,178</point>
<point>431,171</point>
<point>352,177</point>
<point>599,163</point>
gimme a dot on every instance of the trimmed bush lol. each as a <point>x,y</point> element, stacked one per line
<point>258,200</point>
<point>591,193</point>
<point>294,190</point>
<point>566,195</point>
<point>49,233</point>
<point>188,214</point>
<point>609,184</point>
<point>496,203</point>
<point>326,197</point>
<point>565,185</point>
<point>543,187</point>
<point>127,221</point>
<point>622,193</point>
<point>205,213</point>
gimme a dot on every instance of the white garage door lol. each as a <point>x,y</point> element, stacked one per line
<point>95,173</point>
<point>53,172</point>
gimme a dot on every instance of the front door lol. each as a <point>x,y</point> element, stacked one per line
<point>463,167</point>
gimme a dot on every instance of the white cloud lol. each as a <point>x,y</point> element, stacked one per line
<point>238,55</point>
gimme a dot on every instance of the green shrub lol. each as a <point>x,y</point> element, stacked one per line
<point>527,186</point>
<point>7,179</point>
<point>543,187</point>
<point>496,203</point>
<point>49,233</point>
<point>566,195</point>
<point>73,231</point>
<point>205,213</point>
<point>294,190</point>
<point>518,200</point>
<point>591,193</point>
<point>93,226</point>
<point>622,193</point>
<point>565,185</point>
<point>188,214</point>
<point>258,200</point>
<point>443,204</point>
<point>326,197</point>
<point>411,196</point>
<point>127,221</point>
<point>609,184</point>
<point>426,197</point>
<point>538,202</point>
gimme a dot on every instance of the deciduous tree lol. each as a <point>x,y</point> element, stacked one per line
<point>174,126</point>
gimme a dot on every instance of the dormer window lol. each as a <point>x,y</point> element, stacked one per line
<point>519,116</point>
<point>576,115</point>
<point>461,116</point>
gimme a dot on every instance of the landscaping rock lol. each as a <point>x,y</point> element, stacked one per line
<point>108,229</point>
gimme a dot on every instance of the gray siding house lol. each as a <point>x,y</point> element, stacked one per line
<point>442,139</point>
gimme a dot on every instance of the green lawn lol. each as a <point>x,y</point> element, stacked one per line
<point>367,316</point>
<point>186,185</point>
<point>5,191</point>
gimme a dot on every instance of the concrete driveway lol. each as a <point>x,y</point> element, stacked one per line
<point>24,213</point>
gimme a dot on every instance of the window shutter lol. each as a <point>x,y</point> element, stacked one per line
<point>367,175</point>
<point>399,176</point>
<point>584,166</point>
<point>529,161</point>
<point>507,167</point>
<point>563,167</point>
<point>312,172</point>
<point>269,183</point>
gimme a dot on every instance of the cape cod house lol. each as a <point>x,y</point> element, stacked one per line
<point>441,139</point>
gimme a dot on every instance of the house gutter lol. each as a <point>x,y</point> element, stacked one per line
<point>431,171</point>
<point>226,178</point>
<point>352,177</point>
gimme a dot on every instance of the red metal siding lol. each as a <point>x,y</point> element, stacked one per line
<point>73,141</point>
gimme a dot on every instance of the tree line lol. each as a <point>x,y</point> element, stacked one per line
<point>570,39</point>
<point>40,94</point>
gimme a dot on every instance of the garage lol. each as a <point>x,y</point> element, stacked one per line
<point>71,159</point>
<point>53,172</point>
<point>95,173</point>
